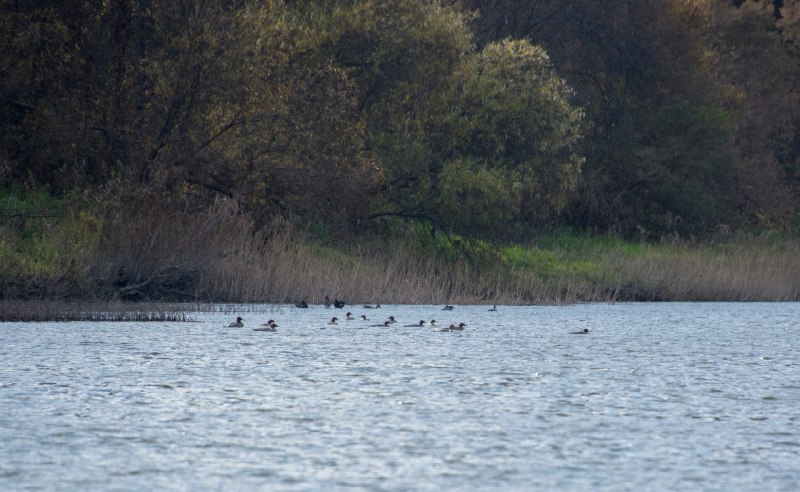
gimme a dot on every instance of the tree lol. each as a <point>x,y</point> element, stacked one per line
<point>760,58</point>
<point>513,116</point>
<point>40,48</point>
<point>451,129</point>
<point>632,63</point>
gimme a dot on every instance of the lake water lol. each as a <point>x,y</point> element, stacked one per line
<point>674,396</point>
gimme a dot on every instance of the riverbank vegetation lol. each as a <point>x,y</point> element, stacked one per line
<point>220,256</point>
<point>400,151</point>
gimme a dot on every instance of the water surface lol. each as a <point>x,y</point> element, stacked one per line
<point>656,397</point>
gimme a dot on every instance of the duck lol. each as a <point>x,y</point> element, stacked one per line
<point>338,304</point>
<point>432,323</point>
<point>364,317</point>
<point>348,316</point>
<point>494,307</point>
<point>333,321</point>
<point>582,332</point>
<point>447,308</point>
<point>237,324</point>
<point>376,306</point>
<point>421,323</point>
<point>453,327</point>
<point>390,320</point>
<point>301,304</point>
<point>384,325</point>
<point>268,326</point>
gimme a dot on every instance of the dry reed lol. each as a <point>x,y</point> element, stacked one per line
<point>750,273</point>
<point>220,257</point>
<point>17,310</point>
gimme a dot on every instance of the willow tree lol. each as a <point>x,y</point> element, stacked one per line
<point>514,129</point>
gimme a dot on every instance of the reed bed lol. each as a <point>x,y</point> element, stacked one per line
<point>226,260</point>
<point>219,257</point>
<point>108,311</point>
<point>750,272</point>
<point>17,310</point>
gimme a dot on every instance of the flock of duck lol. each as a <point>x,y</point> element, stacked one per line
<point>271,325</point>
<point>334,321</point>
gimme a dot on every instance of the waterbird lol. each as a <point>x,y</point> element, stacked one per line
<point>237,324</point>
<point>348,316</point>
<point>453,327</point>
<point>364,317</point>
<point>301,304</point>
<point>338,304</point>
<point>432,323</point>
<point>447,308</point>
<point>385,324</point>
<point>582,332</point>
<point>333,321</point>
<point>421,323</point>
<point>377,306</point>
<point>390,319</point>
<point>494,307</point>
<point>268,326</point>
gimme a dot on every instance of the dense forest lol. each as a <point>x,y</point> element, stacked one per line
<point>478,119</point>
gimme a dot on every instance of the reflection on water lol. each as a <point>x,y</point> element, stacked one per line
<point>655,397</point>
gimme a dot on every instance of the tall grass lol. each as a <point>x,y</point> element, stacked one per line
<point>288,266</point>
<point>219,256</point>
<point>746,271</point>
<point>603,268</point>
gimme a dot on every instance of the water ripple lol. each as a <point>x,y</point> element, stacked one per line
<point>656,397</point>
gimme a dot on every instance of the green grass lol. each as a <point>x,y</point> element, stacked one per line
<point>44,247</point>
<point>600,267</point>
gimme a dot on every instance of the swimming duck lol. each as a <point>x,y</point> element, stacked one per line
<point>377,306</point>
<point>333,320</point>
<point>338,304</point>
<point>494,307</point>
<point>390,319</point>
<point>421,323</point>
<point>453,327</point>
<point>432,323</point>
<point>364,317</point>
<point>301,304</point>
<point>348,316</point>
<point>384,325</point>
<point>237,324</point>
<point>583,332</point>
<point>268,326</point>
<point>447,308</point>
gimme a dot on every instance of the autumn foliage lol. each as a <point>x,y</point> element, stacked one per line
<point>488,119</point>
